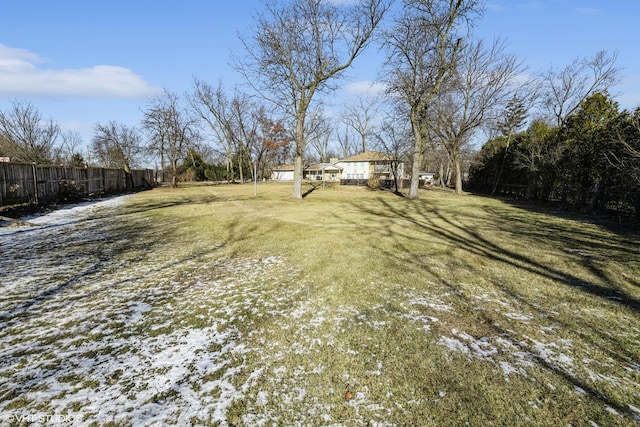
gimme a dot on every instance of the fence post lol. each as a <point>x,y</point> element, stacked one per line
<point>35,182</point>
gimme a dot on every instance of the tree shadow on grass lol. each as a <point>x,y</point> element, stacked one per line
<point>470,239</point>
<point>628,226</point>
<point>484,233</point>
<point>312,187</point>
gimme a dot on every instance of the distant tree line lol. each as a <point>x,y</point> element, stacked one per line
<point>554,134</point>
<point>190,137</point>
<point>588,160</point>
<point>27,137</point>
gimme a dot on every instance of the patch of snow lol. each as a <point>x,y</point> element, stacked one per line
<point>611,410</point>
<point>376,372</point>
<point>421,319</point>
<point>454,345</point>
<point>86,335</point>
<point>632,367</point>
<point>431,303</point>
<point>508,368</point>
<point>480,348</point>
<point>519,316</point>
<point>597,377</point>
<point>138,310</point>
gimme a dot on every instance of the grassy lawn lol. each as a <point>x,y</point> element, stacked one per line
<point>208,305</point>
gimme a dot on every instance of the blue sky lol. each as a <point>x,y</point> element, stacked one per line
<point>83,62</point>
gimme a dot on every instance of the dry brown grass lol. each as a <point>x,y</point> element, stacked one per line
<point>358,307</point>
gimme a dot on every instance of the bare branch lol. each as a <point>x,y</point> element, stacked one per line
<point>25,136</point>
<point>172,129</point>
<point>301,48</point>
<point>423,48</point>
<point>565,89</point>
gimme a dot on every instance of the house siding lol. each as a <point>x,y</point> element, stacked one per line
<point>354,170</point>
<point>283,175</point>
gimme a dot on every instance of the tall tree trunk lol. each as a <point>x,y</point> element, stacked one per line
<point>174,173</point>
<point>240,156</point>
<point>230,172</point>
<point>394,169</point>
<point>456,160</point>
<point>495,184</point>
<point>297,176</point>
<point>504,159</point>
<point>418,149</point>
<point>597,195</point>
<point>298,157</point>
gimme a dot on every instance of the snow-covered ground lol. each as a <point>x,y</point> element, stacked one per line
<point>82,340</point>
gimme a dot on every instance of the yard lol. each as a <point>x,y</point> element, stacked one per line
<point>207,305</point>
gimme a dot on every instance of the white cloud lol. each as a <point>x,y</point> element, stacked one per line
<point>22,75</point>
<point>366,88</point>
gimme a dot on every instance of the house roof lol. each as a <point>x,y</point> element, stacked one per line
<point>285,167</point>
<point>323,166</point>
<point>368,156</point>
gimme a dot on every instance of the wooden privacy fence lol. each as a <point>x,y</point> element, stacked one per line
<point>25,183</point>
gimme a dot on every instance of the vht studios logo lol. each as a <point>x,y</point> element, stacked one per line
<point>42,419</point>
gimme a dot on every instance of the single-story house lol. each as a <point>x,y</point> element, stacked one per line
<point>427,177</point>
<point>369,164</point>
<point>323,171</point>
<point>282,172</point>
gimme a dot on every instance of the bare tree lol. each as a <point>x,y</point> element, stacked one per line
<point>346,141</point>
<point>213,107</point>
<point>274,146</point>
<point>117,145</point>
<point>25,136</point>
<point>360,116</point>
<point>513,118</point>
<point>482,84</point>
<point>564,90</point>
<point>422,47</point>
<point>171,126</point>
<point>70,149</point>
<point>627,159</point>
<point>318,134</point>
<point>441,158</point>
<point>244,125</point>
<point>300,48</point>
<point>393,137</point>
<point>234,122</point>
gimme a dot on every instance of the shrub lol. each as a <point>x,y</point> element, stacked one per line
<point>188,175</point>
<point>373,183</point>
